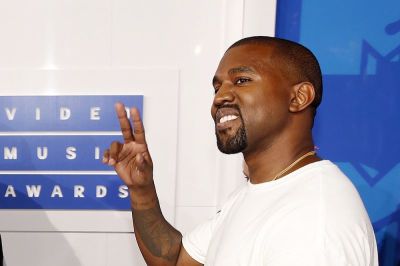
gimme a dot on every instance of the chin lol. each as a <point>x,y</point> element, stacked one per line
<point>229,150</point>
<point>232,145</point>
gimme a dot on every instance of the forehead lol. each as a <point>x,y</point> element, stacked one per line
<point>258,57</point>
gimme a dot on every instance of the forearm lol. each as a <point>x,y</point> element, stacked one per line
<point>159,242</point>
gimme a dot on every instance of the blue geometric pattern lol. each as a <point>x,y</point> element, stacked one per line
<point>358,124</point>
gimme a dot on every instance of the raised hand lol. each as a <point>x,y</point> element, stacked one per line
<point>131,159</point>
<point>159,242</point>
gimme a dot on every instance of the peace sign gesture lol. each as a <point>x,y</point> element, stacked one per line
<point>131,159</point>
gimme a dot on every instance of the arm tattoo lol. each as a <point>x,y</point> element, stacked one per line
<point>159,237</point>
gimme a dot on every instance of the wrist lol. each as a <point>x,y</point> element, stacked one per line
<point>143,198</point>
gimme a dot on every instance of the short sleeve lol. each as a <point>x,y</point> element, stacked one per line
<point>196,242</point>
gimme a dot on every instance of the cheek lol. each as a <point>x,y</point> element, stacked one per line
<point>255,111</point>
<point>257,119</point>
<point>255,104</point>
<point>262,112</point>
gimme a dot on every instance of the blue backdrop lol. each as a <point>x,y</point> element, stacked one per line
<point>358,124</point>
<point>50,147</point>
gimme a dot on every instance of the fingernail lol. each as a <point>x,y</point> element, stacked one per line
<point>111,162</point>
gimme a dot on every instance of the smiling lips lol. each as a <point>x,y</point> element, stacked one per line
<point>225,117</point>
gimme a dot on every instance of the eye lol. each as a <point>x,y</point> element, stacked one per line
<point>241,80</point>
<point>216,89</point>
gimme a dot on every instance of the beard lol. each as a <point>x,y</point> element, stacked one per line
<point>234,144</point>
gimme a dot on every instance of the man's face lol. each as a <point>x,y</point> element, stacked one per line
<point>250,106</point>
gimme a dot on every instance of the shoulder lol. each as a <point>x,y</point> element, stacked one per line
<point>323,208</point>
<point>339,199</point>
<point>346,232</point>
<point>325,184</point>
<point>331,196</point>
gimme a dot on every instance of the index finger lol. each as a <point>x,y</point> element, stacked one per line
<point>138,128</point>
<point>126,128</point>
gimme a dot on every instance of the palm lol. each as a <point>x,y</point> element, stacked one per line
<point>130,171</point>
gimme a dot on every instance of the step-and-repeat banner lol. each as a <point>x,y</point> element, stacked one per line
<point>51,150</point>
<point>358,123</point>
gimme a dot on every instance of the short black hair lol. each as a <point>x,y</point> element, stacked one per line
<point>299,61</point>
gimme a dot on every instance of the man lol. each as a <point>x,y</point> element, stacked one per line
<point>296,208</point>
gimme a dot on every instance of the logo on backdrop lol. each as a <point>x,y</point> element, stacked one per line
<point>51,149</point>
<point>366,112</point>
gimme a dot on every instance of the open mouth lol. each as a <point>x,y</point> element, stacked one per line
<point>226,117</point>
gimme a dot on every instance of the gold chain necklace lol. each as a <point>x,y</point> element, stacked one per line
<point>293,164</point>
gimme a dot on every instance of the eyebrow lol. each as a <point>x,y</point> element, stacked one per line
<point>241,69</point>
<point>235,70</point>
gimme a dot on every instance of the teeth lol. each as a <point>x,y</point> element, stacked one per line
<point>227,118</point>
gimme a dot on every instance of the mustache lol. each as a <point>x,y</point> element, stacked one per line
<point>230,106</point>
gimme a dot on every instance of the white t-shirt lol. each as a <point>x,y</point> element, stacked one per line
<point>312,216</point>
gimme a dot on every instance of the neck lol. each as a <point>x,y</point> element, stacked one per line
<point>266,163</point>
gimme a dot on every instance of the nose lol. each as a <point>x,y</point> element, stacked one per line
<point>223,95</point>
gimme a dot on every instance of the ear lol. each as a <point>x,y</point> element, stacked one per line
<point>302,95</point>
